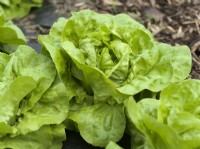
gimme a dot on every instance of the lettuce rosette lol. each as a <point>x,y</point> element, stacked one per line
<point>11,35</point>
<point>105,60</point>
<point>114,54</point>
<point>33,101</point>
<point>170,122</point>
<point>18,8</point>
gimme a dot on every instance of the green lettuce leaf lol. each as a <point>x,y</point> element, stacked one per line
<point>9,107</point>
<point>36,104</point>
<point>2,17</point>
<point>179,108</point>
<point>52,108</point>
<point>58,132</point>
<point>157,135</point>
<point>4,60</point>
<point>99,124</point>
<point>155,69</point>
<point>175,116</point>
<point>40,139</point>
<point>11,34</point>
<point>26,62</point>
<point>112,145</point>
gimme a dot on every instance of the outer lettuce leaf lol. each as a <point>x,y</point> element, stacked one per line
<point>180,58</point>
<point>99,124</point>
<point>154,70</point>
<point>80,97</point>
<point>13,96</point>
<point>112,145</point>
<point>137,137</point>
<point>56,53</point>
<point>26,62</point>
<point>182,96</point>
<point>5,129</point>
<point>157,135</point>
<point>39,139</point>
<point>52,108</point>
<point>57,29</point>
<point>179,108</point>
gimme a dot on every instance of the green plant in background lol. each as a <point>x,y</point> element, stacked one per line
<point>18,8</point>
<point>10,35</point>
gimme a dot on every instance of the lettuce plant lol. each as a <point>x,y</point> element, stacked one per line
<point>104,61</point>
<point>11,35</point>
<point>33,101</point>
<point>170,122</point>
<point>18,8</point>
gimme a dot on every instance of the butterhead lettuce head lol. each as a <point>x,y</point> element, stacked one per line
<point>103,61</point>
<point>114,54</point>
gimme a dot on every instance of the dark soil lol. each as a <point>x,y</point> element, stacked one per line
<point>171,21</point>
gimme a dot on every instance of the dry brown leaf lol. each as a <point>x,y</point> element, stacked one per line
<point>179,33</point>
<point>112,2</point>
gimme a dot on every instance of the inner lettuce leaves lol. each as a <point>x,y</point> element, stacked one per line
<point>175,116</point>
<point>18,8</point>
<point>33,101</point>
<point>11,35</point>
<point>104,61</point>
